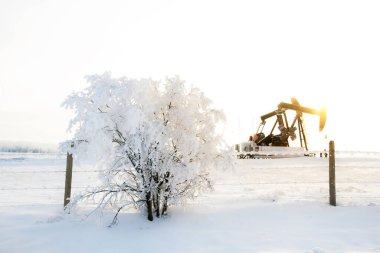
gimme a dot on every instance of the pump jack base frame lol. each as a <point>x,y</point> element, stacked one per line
<point>252,151</point>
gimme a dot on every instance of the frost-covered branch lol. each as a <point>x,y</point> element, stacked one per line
<point>155,141</point>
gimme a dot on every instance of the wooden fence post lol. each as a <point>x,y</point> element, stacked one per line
<point>332,173</point>
<point>69,174</point>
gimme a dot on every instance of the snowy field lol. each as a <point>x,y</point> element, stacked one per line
<point>278,205</point>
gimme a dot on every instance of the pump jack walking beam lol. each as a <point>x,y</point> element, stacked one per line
<point>321,113</point>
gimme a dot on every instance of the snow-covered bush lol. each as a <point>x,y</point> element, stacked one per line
<point>155,142</point>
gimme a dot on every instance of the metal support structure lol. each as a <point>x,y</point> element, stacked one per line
<point>299,133</point>
<point>274,126</point>
<point>302,133</point>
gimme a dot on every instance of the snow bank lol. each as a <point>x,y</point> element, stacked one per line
<point>237,227</point>
<point>276,205</point>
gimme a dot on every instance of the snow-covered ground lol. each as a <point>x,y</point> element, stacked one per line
<point>278,205</point>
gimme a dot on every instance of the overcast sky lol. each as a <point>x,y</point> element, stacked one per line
<point>246,55</point>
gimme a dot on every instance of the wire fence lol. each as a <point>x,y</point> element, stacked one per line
<point>39,182</point>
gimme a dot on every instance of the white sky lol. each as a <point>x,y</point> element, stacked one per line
<point>246,55</point>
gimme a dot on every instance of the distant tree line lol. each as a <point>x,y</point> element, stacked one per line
<point>25,148</point>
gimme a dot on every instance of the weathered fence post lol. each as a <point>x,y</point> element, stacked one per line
<point>332,173</point>
<point>69,174</point>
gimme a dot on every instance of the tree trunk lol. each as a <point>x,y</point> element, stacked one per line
<point>165,206</point>
<point>167,190</point>
<point>158,203</point>
<point>155,202</point>
<point>149,205</point>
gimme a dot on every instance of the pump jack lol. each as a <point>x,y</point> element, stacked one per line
<point>260,145</point>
